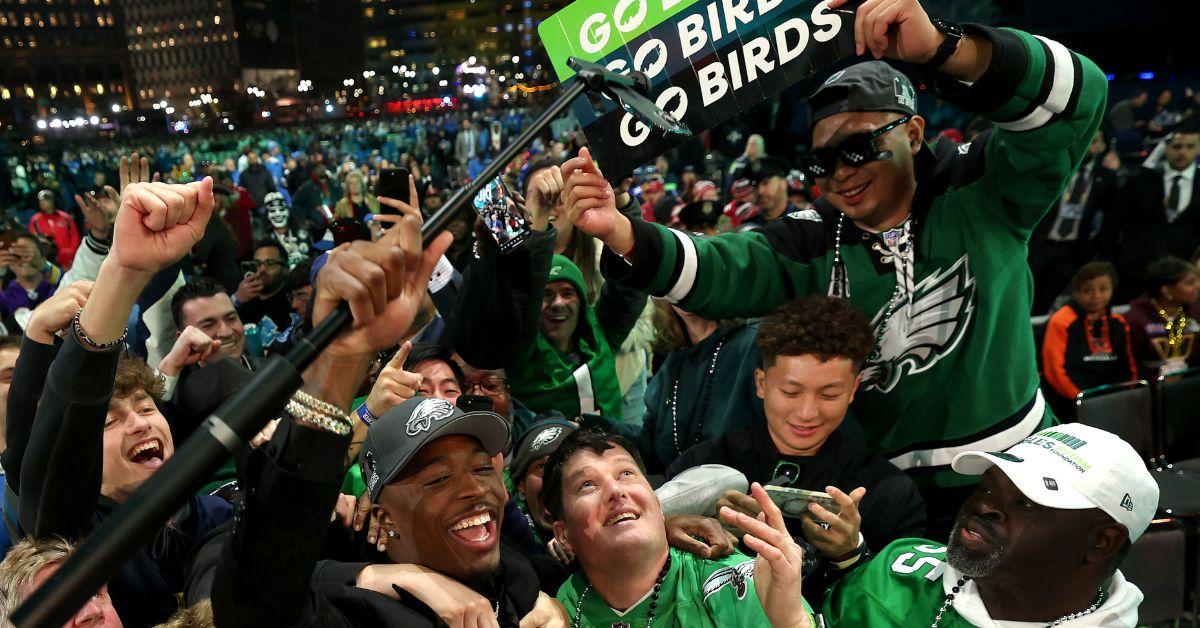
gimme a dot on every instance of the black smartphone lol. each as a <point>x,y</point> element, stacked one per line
<point>393,183</point>
<point>249,268</point>
<point>349,230</point>
<point>474,403</point>
<point>507,226</point>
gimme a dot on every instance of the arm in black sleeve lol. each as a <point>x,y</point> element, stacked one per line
<point>500,301</point>
<point>265,573</point>
<point>29,377</point>
<point>63,465</point>
<point>444,287</point>
<point>222,262</point>
<point>620,305</point>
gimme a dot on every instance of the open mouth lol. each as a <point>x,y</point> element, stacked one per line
<point>148,452</point>
<point>478,528</point>
<point>803,431</point>
<point>621,517</point>
<point>974,535</point>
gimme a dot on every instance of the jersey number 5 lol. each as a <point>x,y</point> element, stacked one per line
<point>905,563</point>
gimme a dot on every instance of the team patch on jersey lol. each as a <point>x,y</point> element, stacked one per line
<point>737,576</point>
<point>926,327</point>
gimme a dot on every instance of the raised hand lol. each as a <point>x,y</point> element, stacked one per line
<point>100,211</point>
<point>384,283</point>
<point>780,559</point>
<point>545,193</point>
<point>840,537</point>
<point>57,312</point>
<point>159,223</point>
<point>134,169</point>
<point>190,347</point>
<point>547,612</point>
<point>590,203</point>
<point>394,385</point>
<point>896,29</point>
<point>250,289</point>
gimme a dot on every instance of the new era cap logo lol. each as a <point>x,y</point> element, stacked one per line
<point>905,95</point>
<point>1127,503</point>
<point>1050,484</point>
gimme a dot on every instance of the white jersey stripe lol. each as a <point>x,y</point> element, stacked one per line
<point>1060,90</point>
<point>996,442</point>
<point>687,274</point>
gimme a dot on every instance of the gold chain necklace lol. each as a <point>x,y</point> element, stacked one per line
<point>1175,326</point>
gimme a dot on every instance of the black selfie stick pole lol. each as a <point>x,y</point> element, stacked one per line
<point>245,413</point>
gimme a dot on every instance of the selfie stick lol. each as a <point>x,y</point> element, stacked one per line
<point>247,411</point>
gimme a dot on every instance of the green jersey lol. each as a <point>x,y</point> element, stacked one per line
<point>901,586</point>
<point>909,581</point>
<point>696,592</point>
<point>949,290</point>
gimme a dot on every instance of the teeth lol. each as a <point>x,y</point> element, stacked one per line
<point>855,190</point>
<point>146,446</point>
<point>621,517</point>
<point>473,521</point>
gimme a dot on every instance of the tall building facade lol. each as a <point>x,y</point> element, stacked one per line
<point>61,58</point>
<point>180,49</point>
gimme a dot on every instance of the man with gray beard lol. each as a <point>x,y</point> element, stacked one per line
<point>1039,543</point>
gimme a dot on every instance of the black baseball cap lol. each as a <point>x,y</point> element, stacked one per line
<point>700,214</point>
<point>765,168</point>
<point>395,438</point>
<point>540,440</point>
<point>867,86</point>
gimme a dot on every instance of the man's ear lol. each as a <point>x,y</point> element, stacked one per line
<point>1107,540</point>
<point>916,134</point>
<point>760,383</point>
<point>560,534</point>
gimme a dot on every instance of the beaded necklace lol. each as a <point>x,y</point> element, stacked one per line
<point>653,598</point>
<point>1100,596</point>
<point>708,387</point>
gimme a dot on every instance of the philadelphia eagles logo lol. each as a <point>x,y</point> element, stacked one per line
<point>545,438</point>
<point>737,576</point>
<point>923,329</point>
<point>429,411</point>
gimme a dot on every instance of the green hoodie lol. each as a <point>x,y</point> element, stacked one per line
<point>585,382</point>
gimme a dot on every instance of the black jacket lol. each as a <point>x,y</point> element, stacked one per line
<point>892,508</point>
<point>1145,233</point>
<point>60,475</point>
<point>257,181</point>
<point>267,577</point>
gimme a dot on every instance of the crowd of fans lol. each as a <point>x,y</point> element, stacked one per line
<point>743,393</point>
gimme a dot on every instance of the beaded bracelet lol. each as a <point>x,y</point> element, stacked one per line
<point>92,344</point>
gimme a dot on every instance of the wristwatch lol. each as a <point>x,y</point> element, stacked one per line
<point>954,34</point>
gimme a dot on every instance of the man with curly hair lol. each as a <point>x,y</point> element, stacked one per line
<point>813,350</point>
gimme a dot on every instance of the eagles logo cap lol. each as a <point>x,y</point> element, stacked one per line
<point>539,441</point>
<point>395,438</point>
<point>1073,467</point>
<point>866,86</point>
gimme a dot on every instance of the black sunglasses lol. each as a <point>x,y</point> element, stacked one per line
<point>854,151</point>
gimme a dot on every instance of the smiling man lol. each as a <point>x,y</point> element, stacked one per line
<point>571,366</point>
<point>930,244</point>
<point>1040,541</point>
<point>607,515</point>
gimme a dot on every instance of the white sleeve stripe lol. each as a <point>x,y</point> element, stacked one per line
<point>687,274</point>
<point>1061,64</point>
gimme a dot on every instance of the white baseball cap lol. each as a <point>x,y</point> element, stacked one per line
<point>1073,467</point>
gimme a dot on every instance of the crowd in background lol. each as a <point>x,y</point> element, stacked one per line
<point>581,349</point>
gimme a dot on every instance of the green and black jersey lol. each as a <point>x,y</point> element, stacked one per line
<point>695,593</point>
<point>949,291</point>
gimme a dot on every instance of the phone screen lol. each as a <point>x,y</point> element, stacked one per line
<point>507,226</point>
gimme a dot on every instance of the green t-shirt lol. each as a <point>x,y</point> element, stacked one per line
<point>901,586</point>
<point>696,592</point>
